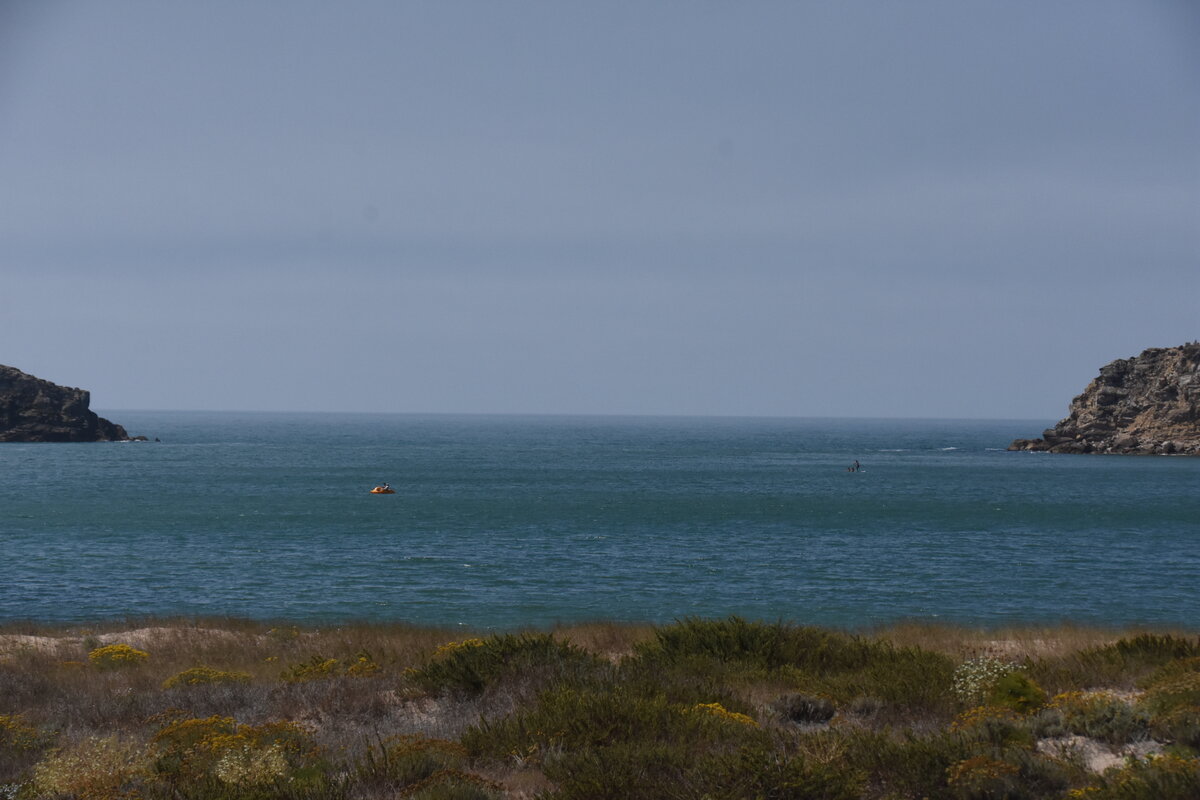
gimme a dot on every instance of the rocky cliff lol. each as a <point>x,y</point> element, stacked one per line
<point>34,410</point>
<point>1149,404</point>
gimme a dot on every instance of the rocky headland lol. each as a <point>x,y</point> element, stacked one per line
<point>1146,405</point>
<point>35,410</point>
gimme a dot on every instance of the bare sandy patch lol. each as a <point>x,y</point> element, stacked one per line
<point>1096,756</point>
<point>149,637</point>
<point>12,644</point>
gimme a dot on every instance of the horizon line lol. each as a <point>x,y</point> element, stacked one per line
<point>577,414</point>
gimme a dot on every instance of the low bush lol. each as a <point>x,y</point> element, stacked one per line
<point>1126,661</point>
<point>720,712</point>
<point>115,656</point>
<point>762,644</point>
<point>906,765</point>
<point>21,745</point>
<point>319,667</point>
<point>470,668</point>
<point>19,736</point>
<point>1168,777</point>
<point>1018,692</point>
<point>993,726</point>
<point>909,681</point>
<point>732,652</point>
<point>1149,648</point>
<point>980,777</point>
<point>1012,774</point>
<point>572,719</point>
<point>406,761</point>
<point>1173,693</point>
<point>453,784</point>
<point>193,755</point>
<point>645,770</point>
<point>764,769</point>
<point>1098,715</point>
<point>197,676</point>
<point>96,768</point>
<point>1180,727</point>
<point>958,764</point>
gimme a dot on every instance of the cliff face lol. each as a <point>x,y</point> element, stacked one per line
<point>34,410</point>
<point>1145,405</point>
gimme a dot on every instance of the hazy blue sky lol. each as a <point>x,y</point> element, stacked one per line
<point>944,208</point>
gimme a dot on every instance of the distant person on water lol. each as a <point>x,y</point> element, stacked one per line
<point>856,467</point>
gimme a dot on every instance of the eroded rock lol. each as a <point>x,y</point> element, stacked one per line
<point>1146,405</point>
<point>34,410</point>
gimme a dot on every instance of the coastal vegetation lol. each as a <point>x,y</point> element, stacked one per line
<point>729,708</point>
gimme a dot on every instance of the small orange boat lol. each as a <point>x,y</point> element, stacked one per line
<point>383,490</point>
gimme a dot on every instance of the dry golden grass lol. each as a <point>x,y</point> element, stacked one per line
<point>611,640</point>
<point>1015,642</point>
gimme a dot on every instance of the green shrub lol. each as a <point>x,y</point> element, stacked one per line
<point>909,681</point>
<point>115,656</point>
<point>1152,648</point>
<point>572,719</point>
<point>983,777</point>
<point>765,645</point>
<point>1180,726</point>
<point>97,768</point>
<point>1172,669</point>
<point>990,761</point>
<point>1048,723</point>
<point>17,735</point>
<point>408,760</point>
<point>319,668</point>
<point>1100,715</point>
<point>1169,694</point>
<point>623,770</point>
<point>994,726</point>
<point>1012,774</point>
<point>453,784</point>
<point>685,681</point>
<point>197,676</point>
<point>816,662</point>
<point>1018,692</point>
<point>196,756</point>
<point>1168,777</point>
<point>664,770</point>
<point>534,658</point>
<point>762,769</point>
<point>908,765</point>
<point>1127,660</point>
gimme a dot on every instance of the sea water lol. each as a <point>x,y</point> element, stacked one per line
<point>505,522</point>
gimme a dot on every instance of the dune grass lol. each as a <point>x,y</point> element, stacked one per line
<point>729,708</point>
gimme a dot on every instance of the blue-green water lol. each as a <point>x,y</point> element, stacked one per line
<point>513,521</point>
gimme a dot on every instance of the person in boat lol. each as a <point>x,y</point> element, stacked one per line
<point>386,487</point>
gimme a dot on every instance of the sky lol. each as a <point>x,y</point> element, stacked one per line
<point>923,209</point>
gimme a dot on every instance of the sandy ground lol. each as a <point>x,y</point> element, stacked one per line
<point>1096,755</point>
<point>12,643</point>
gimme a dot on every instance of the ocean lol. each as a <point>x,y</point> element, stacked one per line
<point>504,522</point>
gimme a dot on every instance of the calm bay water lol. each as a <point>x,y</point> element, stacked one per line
<point>512,521</point>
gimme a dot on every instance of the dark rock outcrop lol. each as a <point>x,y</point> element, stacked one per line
<point>34,410</point>
<point>1145,405</point>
